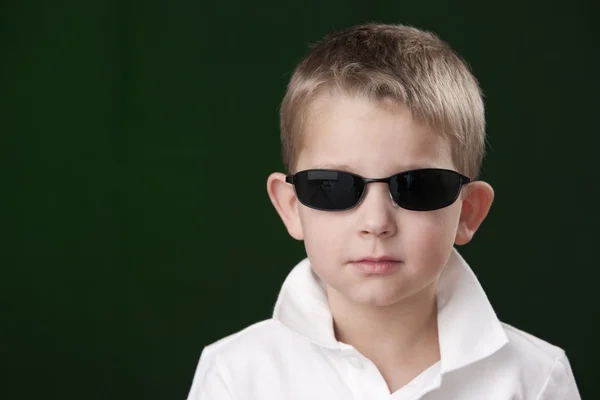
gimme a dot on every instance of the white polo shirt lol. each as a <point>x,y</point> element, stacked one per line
<point>295,355</point>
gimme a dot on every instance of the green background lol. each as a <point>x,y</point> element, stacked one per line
<point>136,139</point>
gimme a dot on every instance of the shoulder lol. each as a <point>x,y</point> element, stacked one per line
<point>247,358</point>
<point>265,343</point>
<point>212,378</point>
<point>540,364</point>
<point>532,347</point>
<point>267,335</point>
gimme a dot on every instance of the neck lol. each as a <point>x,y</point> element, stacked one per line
<point>398,331</point>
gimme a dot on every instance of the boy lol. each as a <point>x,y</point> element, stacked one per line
<point>382,131</point>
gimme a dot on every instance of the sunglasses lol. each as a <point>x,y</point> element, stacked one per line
<point>418,190</point>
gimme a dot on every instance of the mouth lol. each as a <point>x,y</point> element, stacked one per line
<point>377,265</point>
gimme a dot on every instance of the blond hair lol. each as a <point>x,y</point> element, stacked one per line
<point>403,63</point>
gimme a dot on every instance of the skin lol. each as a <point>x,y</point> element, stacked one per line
<point>398,309</point>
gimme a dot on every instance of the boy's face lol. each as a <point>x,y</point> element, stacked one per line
<point>374,141</point>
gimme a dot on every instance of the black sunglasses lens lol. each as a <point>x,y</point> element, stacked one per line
<point>426,189</point>
<point>328,190</point>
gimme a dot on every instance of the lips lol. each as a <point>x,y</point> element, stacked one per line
<point>377,259</point>
<point>377,265</point>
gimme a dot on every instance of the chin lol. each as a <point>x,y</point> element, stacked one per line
<point>377,299</point>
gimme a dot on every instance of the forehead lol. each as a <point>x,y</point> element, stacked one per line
<point>372,139</point>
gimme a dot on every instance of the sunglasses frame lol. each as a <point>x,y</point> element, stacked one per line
<point>291,179</point>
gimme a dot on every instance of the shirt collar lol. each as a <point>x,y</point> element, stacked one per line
<point>468,327</point>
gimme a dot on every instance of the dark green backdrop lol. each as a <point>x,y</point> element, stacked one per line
<point>136,138</point>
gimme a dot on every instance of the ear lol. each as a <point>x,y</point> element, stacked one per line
<point>477,201</point>
<point>284,200</point>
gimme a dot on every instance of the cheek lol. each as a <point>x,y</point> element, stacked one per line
<point>323,235</point>
<point>432,236</point>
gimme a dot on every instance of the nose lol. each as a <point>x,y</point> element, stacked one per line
<point>376,211</point>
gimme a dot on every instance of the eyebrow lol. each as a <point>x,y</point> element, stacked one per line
<point>347,168</point>
<point>341,167</point>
